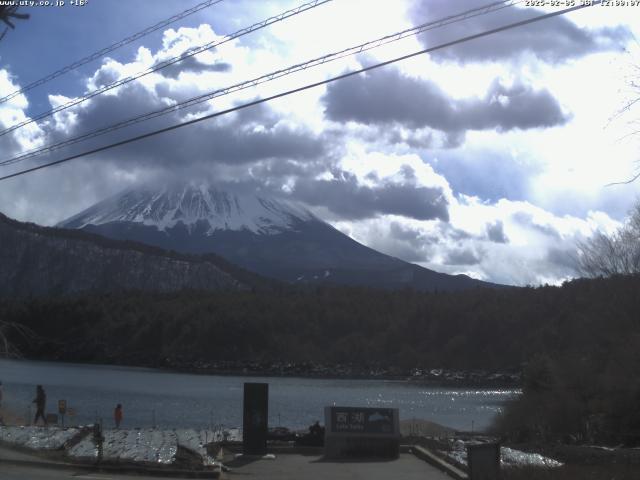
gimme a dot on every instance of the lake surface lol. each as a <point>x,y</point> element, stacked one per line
<point>172,400</point>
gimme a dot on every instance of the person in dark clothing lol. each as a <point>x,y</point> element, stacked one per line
<point>315,437</point>
<point>316,430</point>
<point>41,402</point>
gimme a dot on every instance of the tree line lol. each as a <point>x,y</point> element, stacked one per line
<point>578,344</point>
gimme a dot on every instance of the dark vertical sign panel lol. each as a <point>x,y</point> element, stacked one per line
<point>484,461</point>
<point>254,419</point>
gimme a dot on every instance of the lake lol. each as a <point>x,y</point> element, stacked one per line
<point>177,400</point>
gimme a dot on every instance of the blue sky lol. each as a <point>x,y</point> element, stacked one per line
<point>490,158</point>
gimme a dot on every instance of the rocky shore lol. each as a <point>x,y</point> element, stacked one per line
<point>431,377</point>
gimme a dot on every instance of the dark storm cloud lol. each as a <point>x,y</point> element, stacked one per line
<point>350,200</point>
<point>403,242</point>
<point>421,138</point>
<point>408,173</point>
<point>450,232</point>
<point>565,260</point>
<point>490,175</point>
<point>247,136</point>
<point>526,219</point>
<point>395,134</point>
<point>495,232</point>
<point>412,244</point>
<point>53,194</point>
<point>412,236</point>
<point>106,75</point>
<point>462,256</point>
<point>400,250</point>
<point>192,65</point>
<point>387,97</point>
<point>9,145</point>
<point>275,170</point>
<point>553,40</point>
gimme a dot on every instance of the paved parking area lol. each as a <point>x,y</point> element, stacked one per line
<point>282,467</point>
<point>290,466</point>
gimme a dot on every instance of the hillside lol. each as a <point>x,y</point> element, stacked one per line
<point>483,328</point>
<point>271,237</point>
<point>37,260</point>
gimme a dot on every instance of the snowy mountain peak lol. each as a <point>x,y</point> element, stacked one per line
<point>190,204</point>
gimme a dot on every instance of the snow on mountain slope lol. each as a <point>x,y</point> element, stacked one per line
<point>192,203</point>
<point>273,238</point>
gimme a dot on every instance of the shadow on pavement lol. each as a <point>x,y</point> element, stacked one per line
<point>243,461</point>
<point>354,460</point>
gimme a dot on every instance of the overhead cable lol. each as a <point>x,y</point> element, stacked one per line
<point>166,63</point>
<point>300,89</point>
<point>495,6</point>
<point>111,48</point>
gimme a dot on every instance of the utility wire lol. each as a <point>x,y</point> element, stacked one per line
<point>266,78</point>
<point>111,48</point>
<point>303,88</point>
<point>190,53</point>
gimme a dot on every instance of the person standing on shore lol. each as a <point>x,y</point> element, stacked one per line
<point>117,415</point>
<point>41,402</point>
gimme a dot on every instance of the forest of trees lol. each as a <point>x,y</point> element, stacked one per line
<point>578,344</point>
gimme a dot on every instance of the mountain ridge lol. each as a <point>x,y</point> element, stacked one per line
<point>276,239</point>
<point>189,204</point>
<point>37,260</point>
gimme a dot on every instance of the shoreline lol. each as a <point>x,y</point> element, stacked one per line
<point>419,381</point>
<point>437,378</point>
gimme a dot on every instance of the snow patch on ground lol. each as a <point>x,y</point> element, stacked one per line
<point>516,458</point>
<point>148,446</point>
<point>509,457</point>
<point>84,451</point>
<point>152,446</point>
<point>145,446</point>
<point>37,438</point>
<point>197,440</point>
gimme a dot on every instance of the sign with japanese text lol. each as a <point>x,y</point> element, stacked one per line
<point>362,420</point>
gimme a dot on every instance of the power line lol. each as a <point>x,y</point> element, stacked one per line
<point>268,77</point>
<point>303,88</point>
<point>190,53</point>
<point>271,76</point>
<point>111,48</point>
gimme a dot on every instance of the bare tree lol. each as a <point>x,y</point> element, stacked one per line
<point>7,349</point>
<point>7,13</point>
<point>616,254</point>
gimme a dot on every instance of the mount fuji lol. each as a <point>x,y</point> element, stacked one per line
<point>274,238</point>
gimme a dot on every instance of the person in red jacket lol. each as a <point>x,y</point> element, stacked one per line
<point>117,415</point>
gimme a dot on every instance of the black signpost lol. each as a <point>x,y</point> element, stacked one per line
<point>484,461</point>
<point>255,418</point>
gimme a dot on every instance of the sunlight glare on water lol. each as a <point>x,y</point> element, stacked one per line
<point>175,400</point>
